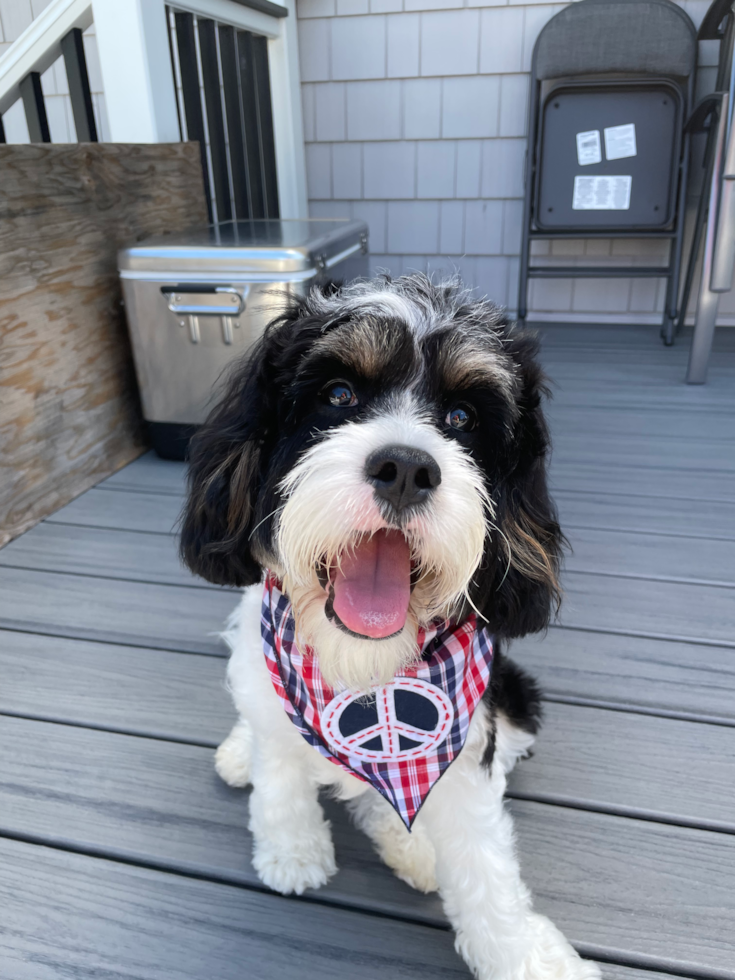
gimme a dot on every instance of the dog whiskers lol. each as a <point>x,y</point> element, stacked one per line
<point>275,511</point>
<point>495,527</point>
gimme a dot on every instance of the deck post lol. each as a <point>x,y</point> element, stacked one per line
<point>288,127</point>
<point>137,76</point>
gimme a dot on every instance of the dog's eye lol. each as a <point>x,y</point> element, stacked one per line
<point>461,417</point>
<point>340,395</point>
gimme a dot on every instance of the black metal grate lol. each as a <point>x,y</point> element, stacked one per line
<point>224,100</point>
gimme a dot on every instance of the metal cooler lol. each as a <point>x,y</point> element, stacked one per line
<point>197,301</point>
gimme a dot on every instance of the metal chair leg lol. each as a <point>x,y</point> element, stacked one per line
<point>709,301</point>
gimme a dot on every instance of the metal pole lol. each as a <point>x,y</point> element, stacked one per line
<point>708,302</point>
<point>724,257</point>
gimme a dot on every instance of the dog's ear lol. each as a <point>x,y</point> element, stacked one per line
<point>227,457</point>
<point>523,562</point>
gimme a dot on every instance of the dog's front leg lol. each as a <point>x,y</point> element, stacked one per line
<point>497,932</point>
<point>292,842</point>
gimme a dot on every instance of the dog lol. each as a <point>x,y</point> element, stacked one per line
<point>381,457</point>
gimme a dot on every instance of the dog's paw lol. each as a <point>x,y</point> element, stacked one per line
<point>232,758</point>
<point>553,958</point>
<point>293,871</point>
<point>411,857</point>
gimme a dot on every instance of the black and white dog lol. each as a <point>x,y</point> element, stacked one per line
<point>381,456</point>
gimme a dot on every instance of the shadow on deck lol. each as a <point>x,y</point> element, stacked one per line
<point>123,855</point>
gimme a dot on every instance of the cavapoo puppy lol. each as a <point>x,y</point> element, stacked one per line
<point>379,463</point>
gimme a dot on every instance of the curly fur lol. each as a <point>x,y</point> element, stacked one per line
<point>278,479</point>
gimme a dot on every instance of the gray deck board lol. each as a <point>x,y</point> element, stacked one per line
<point>139,795</point>
<point>683,517</point>
<point>697,613</point>
<point>640,386</point>
<point>583,472</point>
<point>599,339</point>
<point>131,555</point>
<point>698,456</point>
<point>70,915</point>
<point>119,688</point>
<point>612,971</point>
<point>112,698</point>
<point>124,510</point>
<point>161,616</point>
<point>662,768</point>
<point>149,474</point>
<point>161,804</point>
<point>653,675</point>
<point>131,511</point>
<point>619,886</point>
<point>644,555</point>
<point>188,618</point>
<point>568,424</point>
<point>583,756</point>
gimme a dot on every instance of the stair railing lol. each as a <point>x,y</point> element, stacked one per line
<point>138,78</point>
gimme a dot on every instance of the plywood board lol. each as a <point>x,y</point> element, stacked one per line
<point>70,414</point>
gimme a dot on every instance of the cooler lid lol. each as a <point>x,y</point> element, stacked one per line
<point>266,251</point>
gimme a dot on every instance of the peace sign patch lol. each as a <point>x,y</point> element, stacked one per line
<point>406,719</point>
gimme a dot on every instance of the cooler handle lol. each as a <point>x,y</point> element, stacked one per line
<point>191,300</point>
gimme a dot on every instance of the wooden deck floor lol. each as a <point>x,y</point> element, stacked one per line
<point>123,856</point>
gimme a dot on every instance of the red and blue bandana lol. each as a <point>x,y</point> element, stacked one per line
<point>403,737</point>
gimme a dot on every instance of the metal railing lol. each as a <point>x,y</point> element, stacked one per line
<point>56,33</point>
<point>238,92</point>
<point>224,98</point>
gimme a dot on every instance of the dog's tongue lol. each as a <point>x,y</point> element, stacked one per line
<point>372,586</point>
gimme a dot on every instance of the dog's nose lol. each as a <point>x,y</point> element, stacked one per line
<point>402,475</point>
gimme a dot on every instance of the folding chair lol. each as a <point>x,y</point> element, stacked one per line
<point>612,82</point>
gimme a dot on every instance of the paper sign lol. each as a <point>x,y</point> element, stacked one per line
<point>620,142</point>
<point>589,148</point>
<point>602,193</point>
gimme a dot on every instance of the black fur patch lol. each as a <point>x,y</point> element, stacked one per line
<point>514,693</point>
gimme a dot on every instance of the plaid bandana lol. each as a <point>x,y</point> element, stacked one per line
<point>402,738</point>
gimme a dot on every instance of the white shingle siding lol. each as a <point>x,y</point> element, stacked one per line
<point>423,104</point>
<point>415,120</point>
